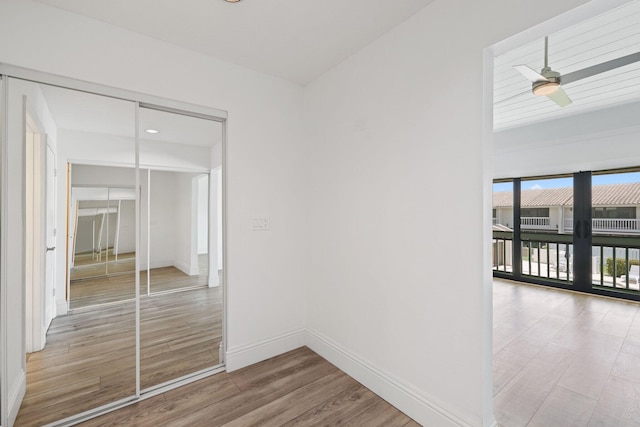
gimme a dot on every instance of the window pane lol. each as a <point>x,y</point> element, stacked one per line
<point>615,199</point>
<point>546,214</point>
<point>502,226</point>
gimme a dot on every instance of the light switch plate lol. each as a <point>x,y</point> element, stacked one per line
<point>260,224</point>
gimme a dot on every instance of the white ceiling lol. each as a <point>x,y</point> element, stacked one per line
<point>297,40</point>
<point>608,36</point>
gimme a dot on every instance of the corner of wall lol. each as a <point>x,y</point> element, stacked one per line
<point>16,394</point>
<point>423,409</point>
<point>239,357</point>
<point>61,308</point>
<point>185,267</point>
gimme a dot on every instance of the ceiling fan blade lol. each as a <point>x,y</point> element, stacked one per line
<point>529,73</point>
<point>600,68</point>
<point>560,97</point>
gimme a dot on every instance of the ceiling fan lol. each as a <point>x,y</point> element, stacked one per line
<point>548,82</point>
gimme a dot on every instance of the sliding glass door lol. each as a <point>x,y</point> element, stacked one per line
<point>578,232</point>
<point>546,227</point>
<point>615,215</point>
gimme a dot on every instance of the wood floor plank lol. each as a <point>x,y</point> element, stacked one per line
<point>382,414</point>
<point>287,407</point>
<point>298,387</point>
<point>128,415</point>
<point>339,409</point>
<point>89,285</point>
<point>267,371</point>
<point>238,405</point>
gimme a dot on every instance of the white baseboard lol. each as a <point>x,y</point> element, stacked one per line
<point>185,268</point>
<point>156,263</point>
<point>16,394</point>
<point>61,308</point>
<point>239,357</point>
<point>214,279</point>
<point>423,409</point>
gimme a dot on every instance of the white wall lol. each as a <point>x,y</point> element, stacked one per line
<point>602,139</point>
<point>182,221</point>
<point>265,270</point>
<point>203,214</point>
<point>396,130</point>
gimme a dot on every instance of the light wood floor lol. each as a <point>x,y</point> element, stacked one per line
<point>564,359</point>
<point>86,266</point>
<point>297,388</point>
<point>120,287</point>
<point>89,359</point>
<point>560,359</point>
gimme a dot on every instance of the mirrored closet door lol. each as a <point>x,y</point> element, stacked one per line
<point>125,283</point>
<point>87,356</point>
<point>181,319</point>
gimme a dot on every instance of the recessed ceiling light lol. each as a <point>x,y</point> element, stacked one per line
<point>152,131</point>
<point>232,1</point>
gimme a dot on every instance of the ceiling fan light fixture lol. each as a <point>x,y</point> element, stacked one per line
<point>545,88</point>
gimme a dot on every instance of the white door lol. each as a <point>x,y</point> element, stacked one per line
<point>39,234</point>
<point>50,233</point>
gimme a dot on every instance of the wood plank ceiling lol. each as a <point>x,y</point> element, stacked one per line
<point>602,38</point>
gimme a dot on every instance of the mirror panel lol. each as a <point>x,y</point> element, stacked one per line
<point>181,317</point>
<point>89,355</point>
<point>103,245</point>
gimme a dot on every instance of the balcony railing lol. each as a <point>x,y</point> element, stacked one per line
<point>535,222</point>
<point>609,225</point>
<point>616,225</point>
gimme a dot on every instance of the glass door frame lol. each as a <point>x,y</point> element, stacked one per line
<point>140,100</point>
<point>581,239</point>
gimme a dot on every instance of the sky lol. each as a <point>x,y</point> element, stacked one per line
<point>618,178</point>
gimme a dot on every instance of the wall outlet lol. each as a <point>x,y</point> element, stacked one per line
<point>260,224</point>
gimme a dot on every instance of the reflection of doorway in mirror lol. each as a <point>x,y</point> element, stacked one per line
<point>179,215</point>
<point>39,233</point>
<point>178,230</point>
<point>102,258</point>
<point>202,228</point>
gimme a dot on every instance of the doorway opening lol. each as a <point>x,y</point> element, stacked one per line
<point>39,232</point>
<point>550,347</point>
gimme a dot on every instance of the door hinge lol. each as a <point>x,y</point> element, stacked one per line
<point>55,173</point>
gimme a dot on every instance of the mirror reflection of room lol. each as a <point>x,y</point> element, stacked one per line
<point>175,233</point>
<point>180,178</point>
<point>100,247</point>
<point>161,220</point>
<point>102,220</point>
<point>177,229</point>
